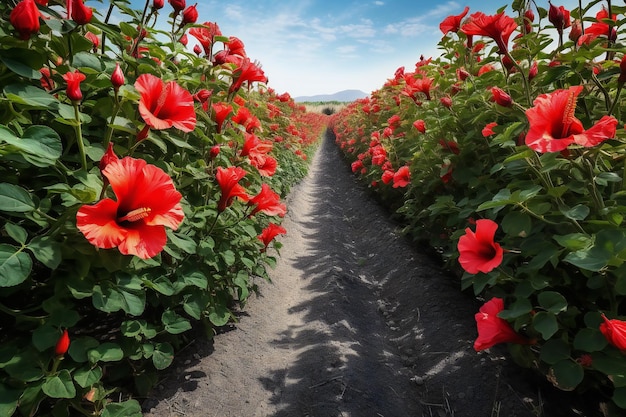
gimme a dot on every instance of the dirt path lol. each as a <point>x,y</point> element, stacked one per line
<point>355,323</point>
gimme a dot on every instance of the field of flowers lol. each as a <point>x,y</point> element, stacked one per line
<point>140,189</point>
<point>507,155</point>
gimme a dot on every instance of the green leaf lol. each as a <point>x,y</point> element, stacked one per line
<point>593,259</point>
<point>23,62</point>
<point>15,266</point>
<point>88,60</point>
<point>174,323</point>
<point>30,95</point>
<point>45,337</point>
<point>130,408</point>
<point>181,241</point>
<point>14,198</point>
<point>8,400</point>
<point>515,223</point>
<point>46,250</point>
<point>87,376</point>
<point>619,397</point>
<point>573,241</point>
<point>106,352</point>
<point>79,348</point>
<point>567,374</point>
<point>552,301</point>
<point>60,385</point>
<point>517,309</point>
<point>589,340</point>
<point>219,315</point>
<point>162,356</point>
<point>17,233</point>
<point>546,324</point>
<point>554,350</point>
<point>194,304</point>
<point>578,212</point>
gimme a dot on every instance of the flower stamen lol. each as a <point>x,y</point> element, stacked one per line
<point>134,215</point>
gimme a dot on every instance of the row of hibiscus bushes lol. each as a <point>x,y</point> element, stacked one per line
<point>141,177</point>
<point>507,155</point>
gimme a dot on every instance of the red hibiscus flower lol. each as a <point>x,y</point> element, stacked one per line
<point>146,201</point>
<point>228,180</point>
<point>492,329</point>
<point>220,112</point>
<point>553,126</point>
<point>265,164</point>
<point>600,28</point>
<point>387,176</point>
<point>402,177</point>
<point>559,17</point>
<point>614,331</point>
<point>452,23</point>
<point>206,35</point>
<point>246,71</point>
<point>253,146</point>
<point>269,233</point>
<point>268,202</point>
<point>420,125</point>
<point>25,18</point>
<point>498,27</point>
<point>488,129</point>
<point>477,250</point>
<point>163,105</point>
<point>73,80</point>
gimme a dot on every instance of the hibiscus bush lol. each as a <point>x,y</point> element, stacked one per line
<point>506,154</point>
<point>141,177</point>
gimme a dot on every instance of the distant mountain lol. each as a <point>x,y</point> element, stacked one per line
<point>341,96</point>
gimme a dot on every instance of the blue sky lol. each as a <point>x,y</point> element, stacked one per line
<point>313,47</point>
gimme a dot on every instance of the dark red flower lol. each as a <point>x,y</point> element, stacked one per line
<point>25,18</point>
<point>501,97</point>
<point>146,202</point>
<point>269,233</point>
<point>158,4</point>
<point>559,17</point>
<point>554,126</point>
<point>614,331</point>
<point>493,330</point>
<point>63,344</point>
<point>477,250</point>
<point>81,14</point>
<point>73,80</point>
<point>452,23</point>
<point>228,180</point>
<point>190,15</point>
<point>622,70</point>
<point>498,27</point>
<point>163,105</point>
<point>268,202</point>
<point>177,5</point>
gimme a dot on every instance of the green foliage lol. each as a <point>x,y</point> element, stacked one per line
<point>560,214</point>
<point>127,316</point>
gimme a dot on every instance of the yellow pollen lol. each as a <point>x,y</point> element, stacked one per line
<point>134,215</point>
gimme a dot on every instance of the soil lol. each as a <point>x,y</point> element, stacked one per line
<point>356,321</point>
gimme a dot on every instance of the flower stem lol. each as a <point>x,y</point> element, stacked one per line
<point>79,137</point>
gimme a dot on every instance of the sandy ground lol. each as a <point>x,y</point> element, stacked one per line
<point>355,323</point>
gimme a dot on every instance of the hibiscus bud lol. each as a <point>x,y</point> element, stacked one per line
<point>117,78</point>
<point>559,17</point>
<point>420,125</point>
<point>178,5</point>
<point>500,97</point>
<point>614,331</point>
<point>203,95</point>
<point>533,71</point>
<point>190,15</point>
<point>529,18</point>
<point>94,40</point>
<point>81,14</point>
<point>108,157</point>
<point>158,4</point>
<point>215,150</point>
<point>462,74</point>
<point>446,101</point>
<point>73,80</point>
<point>197,50</point>
<point>63,344</point>
<point>25,18</point>
<point>46,79</point>
<point>184,39</point>
<point>576,31</point>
